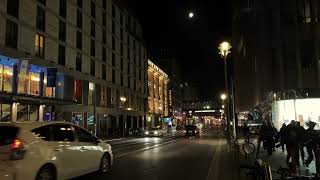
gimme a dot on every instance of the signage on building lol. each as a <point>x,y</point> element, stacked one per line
<point>51,77</point>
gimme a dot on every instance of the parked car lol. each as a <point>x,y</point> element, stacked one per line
<point>192,130</point>
<point>54,151</point>
<point>156,131</point>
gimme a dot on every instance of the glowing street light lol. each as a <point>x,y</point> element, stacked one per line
<point>191,15</point>
<point>123,99</point>
<point>223,97</point>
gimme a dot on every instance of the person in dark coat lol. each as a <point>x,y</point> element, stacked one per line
<point>261,135</point>
<point>281,136</point>
<point>310,139</point>
<point>246,131</point>
<point>301,140</point>
<point>269,135</point>
<point>292,146</point>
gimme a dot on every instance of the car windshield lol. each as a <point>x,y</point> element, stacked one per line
<point>190,127</point>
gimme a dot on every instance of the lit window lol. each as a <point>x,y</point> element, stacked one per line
<point>39,45</point>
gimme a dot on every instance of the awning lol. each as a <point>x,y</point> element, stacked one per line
<point>8,98</point>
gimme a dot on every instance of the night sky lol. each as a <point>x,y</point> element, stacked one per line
<point>193,42</point>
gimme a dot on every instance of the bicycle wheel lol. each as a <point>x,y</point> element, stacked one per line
<point>248,147</point>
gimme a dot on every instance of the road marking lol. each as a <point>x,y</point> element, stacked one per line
<point>144,149</point>
<point>212,172</point>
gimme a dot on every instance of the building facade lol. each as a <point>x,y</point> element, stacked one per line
<point>175,87</point>
<point>275,47</point>
<point>82,61</point>
<point>158,102</point>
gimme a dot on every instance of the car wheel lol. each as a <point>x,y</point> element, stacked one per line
<point>46,173</point>
<point>105,163</point>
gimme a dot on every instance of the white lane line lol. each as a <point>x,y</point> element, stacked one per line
<point>212,173</point>
<point>143,149</point>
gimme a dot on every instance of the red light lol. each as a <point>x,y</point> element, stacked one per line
<point>16,144</point>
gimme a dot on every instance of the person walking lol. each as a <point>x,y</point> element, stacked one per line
<point>301,132</point>
<point>269,135</point>
<point>261,135</point>
<point>310,141</point>
<point>292,146</point>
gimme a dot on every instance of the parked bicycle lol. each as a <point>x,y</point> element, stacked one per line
<point>248,147</point>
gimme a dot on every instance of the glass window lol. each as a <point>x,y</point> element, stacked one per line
<point>62,31</point>
<point>41,19</point>
<point>42,2</point>
<point>79,19</point>
<point>104,73</point>
<point>104,17</point>
<point>62,55</point>
<point>90,94</point>
<point>79,40</point>
<point>113,43</point>
<point>113,11</point>
<point>11,34</point>
<point>39,45</point>
<point>79,3</point>
<point>42,132</point>
<point>104,36</point>
<point>93,29</point>
<point>92,67</point>
<point>78,119</point>
<point>62,132</point>
<point>104,4</point>
<point>113,27</point>
<point>113,76</point>
<point>77,95</point>
<point>113,60</point>
<point>79,62</point>
<point>63,8</point>
<point>13,8</point>
<point>104,54</point>
<point>93,10</point>
<point>7,134</point>
<point>83,135</point>
<point>93,47</point>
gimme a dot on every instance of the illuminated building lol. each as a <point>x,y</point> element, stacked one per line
<point>97,49</point>
<point>158,103</point>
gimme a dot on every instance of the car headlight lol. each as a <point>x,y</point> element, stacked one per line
<point>156,132</point>
<point>146,132</point>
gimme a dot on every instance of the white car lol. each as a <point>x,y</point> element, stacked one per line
<point>154,132</point>
<point>50,151</point>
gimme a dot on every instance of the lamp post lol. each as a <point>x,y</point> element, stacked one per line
<point>224,48</point>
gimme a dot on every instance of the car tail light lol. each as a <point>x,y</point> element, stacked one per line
<point>17,150</point>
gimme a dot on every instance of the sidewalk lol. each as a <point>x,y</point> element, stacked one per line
<point>277,159</point>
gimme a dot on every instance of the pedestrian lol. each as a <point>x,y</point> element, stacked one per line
<point>261,135</point>
<point>292,146</point>
<point>246,131</point>
<point>310,141</point>
<point>281,136</point>
<point>269,135</point>
<point>301,140</point>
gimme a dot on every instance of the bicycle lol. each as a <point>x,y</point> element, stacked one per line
<point>248,147</point>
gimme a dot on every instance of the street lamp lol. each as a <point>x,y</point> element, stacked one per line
<point>191,15</point>
<point>224,49</point>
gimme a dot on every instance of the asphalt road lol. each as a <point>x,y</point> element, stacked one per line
<point>169,158</point>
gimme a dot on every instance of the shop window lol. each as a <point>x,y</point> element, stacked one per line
<point>11,34</point>
<point>91,93</point>
<point>90,122</point>
<point>39,45</point>
<point>6,73</point>
<point>78,119</point>
<point>77,95</point>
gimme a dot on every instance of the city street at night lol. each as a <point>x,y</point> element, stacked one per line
<point>183,158</point>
